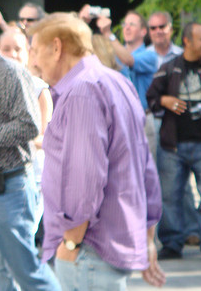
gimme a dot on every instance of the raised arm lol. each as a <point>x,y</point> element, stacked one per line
<point>3,25</point>
<point>122,52</point>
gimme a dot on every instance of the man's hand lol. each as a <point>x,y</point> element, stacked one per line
<point>3,25</point>
<point>84,13</point>
<point>124,55</point>
<point>174,104</point>
<point>154,275</point>
<point>76,235</point>
<point>104,25</point>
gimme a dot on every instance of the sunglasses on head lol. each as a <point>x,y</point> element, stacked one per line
<point>158,26</point>
<point>28,19</point>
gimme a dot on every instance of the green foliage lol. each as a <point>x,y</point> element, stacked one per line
<point>182,11</point>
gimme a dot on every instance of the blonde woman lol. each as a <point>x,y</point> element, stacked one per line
<point>104,51</point>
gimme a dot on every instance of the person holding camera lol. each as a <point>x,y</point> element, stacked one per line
<point>138,64</point>
<point>177,89</point>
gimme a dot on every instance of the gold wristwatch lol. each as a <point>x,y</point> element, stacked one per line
<point>71,245</point>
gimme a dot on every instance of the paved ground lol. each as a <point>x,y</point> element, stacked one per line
<point>183,274</point>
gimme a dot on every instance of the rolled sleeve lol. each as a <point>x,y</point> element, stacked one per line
<point>84,162</point>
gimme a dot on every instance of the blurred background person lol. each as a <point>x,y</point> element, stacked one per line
<point>14,44</point>
<point>20,123</point>
<point>29,13</point>
<point>160,32</point>
<point>177,89</point>
<point>138,64</point>
<point>105,51</point>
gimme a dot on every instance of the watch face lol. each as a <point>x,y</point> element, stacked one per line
<point>70,245</point>
<point>112,37</point>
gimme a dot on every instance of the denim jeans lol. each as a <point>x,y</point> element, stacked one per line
<point>190,217</point>
<point>6,281</point>
<point>89,272</point>
<point>174,170</point>
<point>17,246</point>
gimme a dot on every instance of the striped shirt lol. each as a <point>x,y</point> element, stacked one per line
<point>98,167</point>
<point>19,115</point>
<point>173,52</point>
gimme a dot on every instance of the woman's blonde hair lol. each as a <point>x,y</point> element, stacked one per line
<point>104,51</point>
<point>73,32</point>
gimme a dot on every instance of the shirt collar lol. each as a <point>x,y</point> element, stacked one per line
<point>173,49</point>
<point>60,87</point>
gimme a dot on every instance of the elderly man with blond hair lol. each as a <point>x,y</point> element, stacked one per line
<point>101,189</point>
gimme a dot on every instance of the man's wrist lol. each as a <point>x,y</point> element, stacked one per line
<point>71,245</point>
<point>112,37</point>
<point>162,100</point>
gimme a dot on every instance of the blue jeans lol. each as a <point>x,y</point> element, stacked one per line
<point>18,254</point>
<point>190,217</point>
<point>174,170</point>
<point>90,272</point>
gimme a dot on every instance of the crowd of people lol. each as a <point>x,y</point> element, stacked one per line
<point>103,137</point>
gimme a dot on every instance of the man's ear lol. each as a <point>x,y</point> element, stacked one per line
<point>186,41</point>
<point>143,32</point>
<point>171,30</point>
<point>57,48</point>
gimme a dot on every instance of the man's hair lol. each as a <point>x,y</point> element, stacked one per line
<point>40,12</point>
<point>166,14</point>
<point>12,31</point>
<point>74,33</point>
<point>142,20</point>
<point>188,31</point>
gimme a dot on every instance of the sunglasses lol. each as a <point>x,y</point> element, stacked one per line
<point>159,26</point>
<point>28,19</point>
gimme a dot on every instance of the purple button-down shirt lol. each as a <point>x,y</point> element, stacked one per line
<point>98,167</point>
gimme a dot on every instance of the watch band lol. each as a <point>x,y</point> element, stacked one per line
<point>71,245</point>
<point>112,37</point>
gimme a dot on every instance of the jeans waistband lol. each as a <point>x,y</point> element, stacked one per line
<point>14,173</point>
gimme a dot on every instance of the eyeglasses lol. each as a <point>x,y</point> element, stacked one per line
<point>124,24</point>
<point>28,19</point>
<point>158,26</point>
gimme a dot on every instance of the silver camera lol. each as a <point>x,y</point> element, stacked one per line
<point>195,111</point>
<point>97,11</point>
